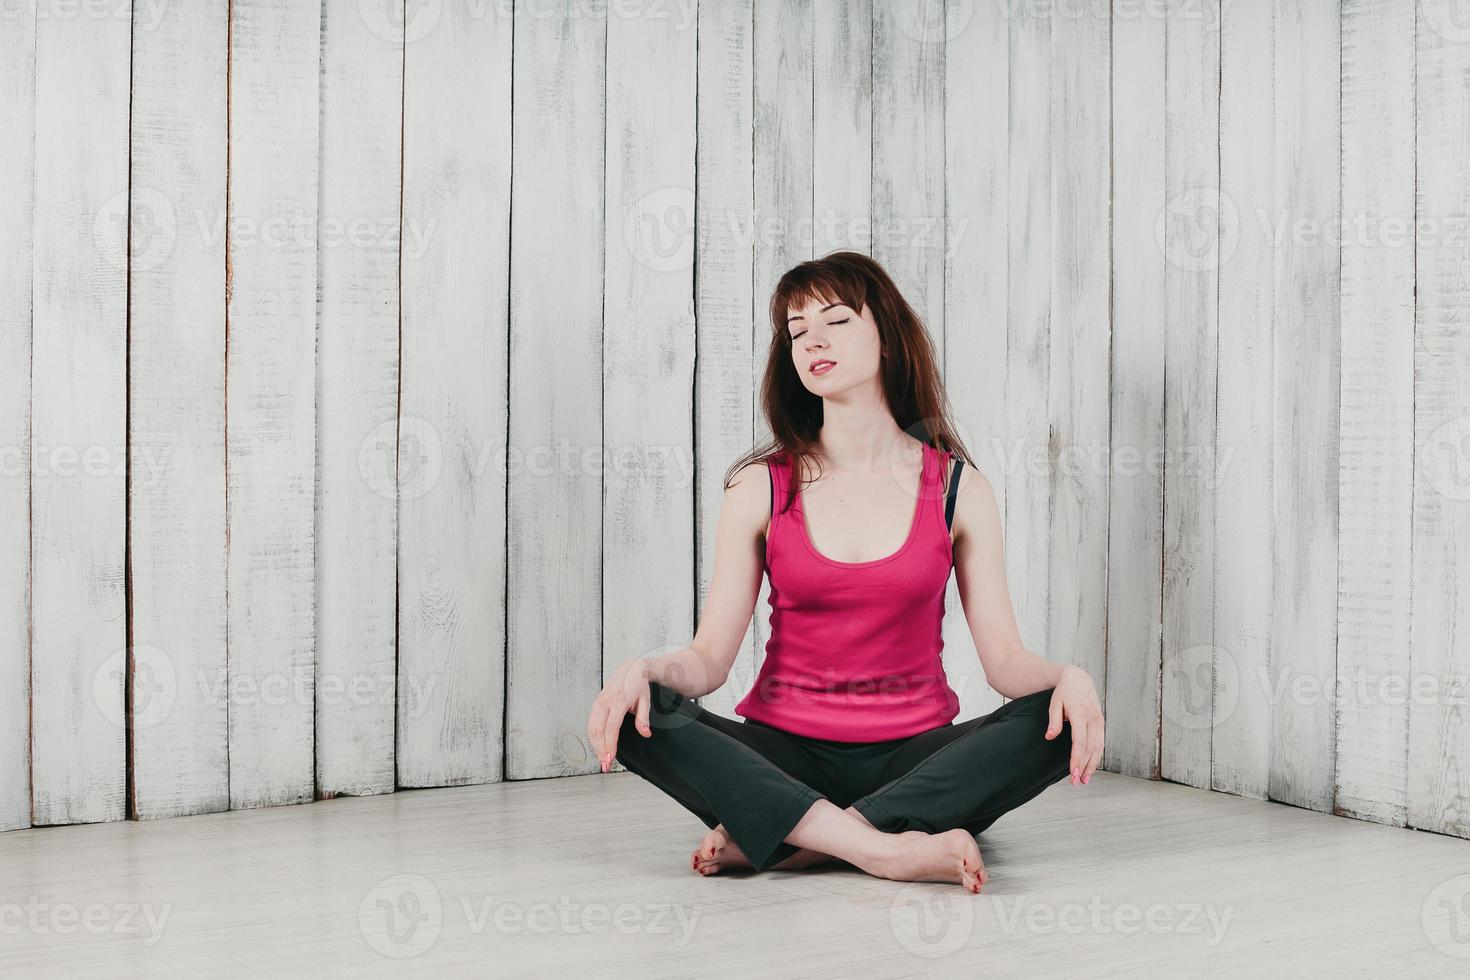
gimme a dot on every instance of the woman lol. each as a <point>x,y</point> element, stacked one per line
<point>848,748</point>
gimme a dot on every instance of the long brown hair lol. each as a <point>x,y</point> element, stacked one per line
<point>912,386</point>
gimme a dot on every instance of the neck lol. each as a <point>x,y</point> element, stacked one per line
<point>860,437</point>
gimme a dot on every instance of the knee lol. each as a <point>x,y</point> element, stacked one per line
<point>1036,709</point>
<point>661,699</point>
<point>667,710</point>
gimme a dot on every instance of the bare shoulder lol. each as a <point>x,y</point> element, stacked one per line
<point>976,511</point>
<point>748,497</point>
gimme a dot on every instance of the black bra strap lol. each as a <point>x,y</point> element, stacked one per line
<point>954,485</point>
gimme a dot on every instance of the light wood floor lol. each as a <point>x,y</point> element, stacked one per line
<point>1122,877</point>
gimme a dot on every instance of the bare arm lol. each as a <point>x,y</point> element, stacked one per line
<point>704,665</point>
<point>980,573</point>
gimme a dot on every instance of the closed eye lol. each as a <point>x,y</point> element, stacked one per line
<point>832,324</point>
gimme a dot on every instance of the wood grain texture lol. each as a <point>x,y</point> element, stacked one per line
<point>270,391</point>
<point>1028,447</point>
<point>1239,711</point>
<point>726,312</point>
<point>413,884</point>
<point>1191,465</point>
<point>976,193</point>
<point>649,346</point>
<point>17,177</point>
<point>420,336</point>
<point>1376,461</point>
<point>357,405</point>
<point>452,465</point>
<point>1136,488</point>
<point>1439,737</point>
<point>176,422</point>
<point>1081,338</point>
<point>1305,405</point>
<point>79,412</point>
<point>908,156</point>
<point>555,511</point>
<point>783,195</point>
<point>843,134</point>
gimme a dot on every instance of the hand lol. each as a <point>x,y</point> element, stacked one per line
<point>627,690</point>
<point>1075,699</point>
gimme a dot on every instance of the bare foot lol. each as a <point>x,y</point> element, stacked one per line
<point>949,856</point>
<point>719,852</point>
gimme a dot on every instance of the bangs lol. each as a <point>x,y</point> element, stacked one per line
<point>811,282</point>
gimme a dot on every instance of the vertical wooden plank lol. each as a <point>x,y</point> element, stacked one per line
<point>1136,490</point>
<point>649,345</point>
<point>555,560</point>
<point>1192,247</point>
<point>908,155</point>
<point>976,182</point>
<point>1081,338</point>
<point>271,398</point>
<point>1376,467</point>
<point>1439,738</point>
<point>842,124</point>
<point>1222,686</point>
<point>17,179</point>
<point>725,306</point>
<point>1028,341</point>
<point>452,467</point>
<point>784,201</point>
<point>176,421</point>
<point>362,115</point>
<point>1305,403</point>
<point>79,378</point>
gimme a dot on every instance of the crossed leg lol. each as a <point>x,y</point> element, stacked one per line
<point>968,775</point>
<point>958,776</point>
<point>750,776</point>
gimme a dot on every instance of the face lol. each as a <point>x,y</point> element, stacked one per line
<point>827,331</point>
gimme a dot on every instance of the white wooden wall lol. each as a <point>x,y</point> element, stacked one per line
<point>377,367</point>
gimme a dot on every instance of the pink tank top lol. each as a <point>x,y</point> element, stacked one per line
<point>854,648</point>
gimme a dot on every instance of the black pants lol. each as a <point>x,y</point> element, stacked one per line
<point>759,781</point>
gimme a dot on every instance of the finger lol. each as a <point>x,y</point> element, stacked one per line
<point>595,721</point>
<point>1097,748</point>
<point>1079,748</point>
<point>1089,752</point>
<point>610,734</point>
<point>642,715</point>
<point>1054,725</point>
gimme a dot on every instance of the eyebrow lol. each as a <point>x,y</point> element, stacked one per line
<point>800,317</point>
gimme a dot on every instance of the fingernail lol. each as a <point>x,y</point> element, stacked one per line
<point>1086,778</point>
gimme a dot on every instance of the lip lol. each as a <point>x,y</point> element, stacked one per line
<point>821,366</point>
